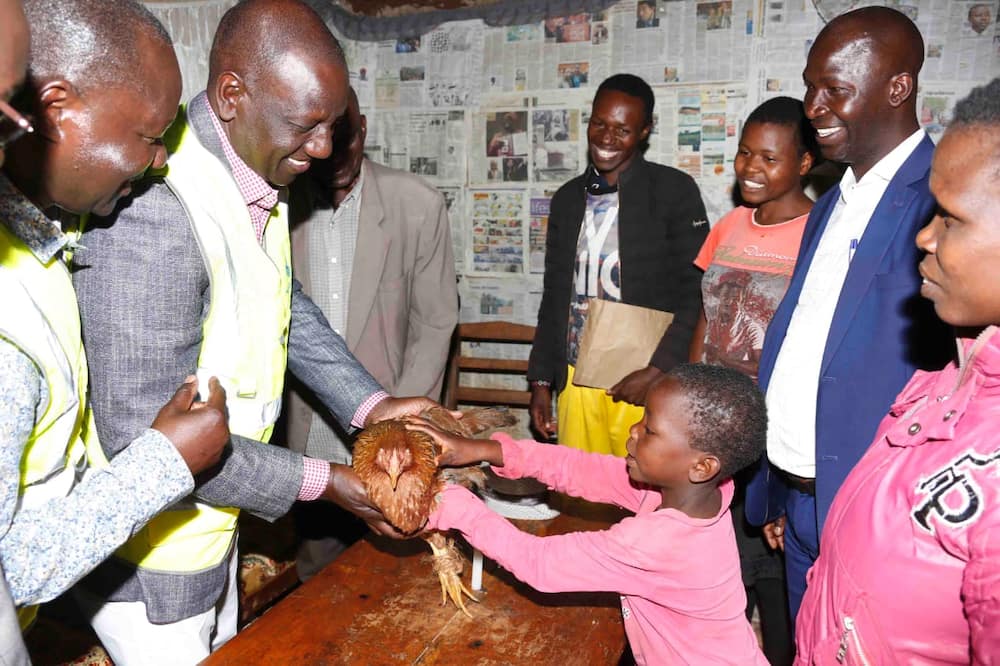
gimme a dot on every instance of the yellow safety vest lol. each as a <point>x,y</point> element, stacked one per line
<point>245,339</point>
<point>41,317</point>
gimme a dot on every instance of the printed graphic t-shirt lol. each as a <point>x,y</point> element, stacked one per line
<point>747,270</point>
<point>597,271</point>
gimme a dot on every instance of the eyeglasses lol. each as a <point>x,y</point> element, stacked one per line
<point>12,124</point>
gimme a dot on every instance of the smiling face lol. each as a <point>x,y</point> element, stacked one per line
<point>658,450</point>
<point>282,119</point>
<point>847,98</point>
<point>962,267</point>
<point>108,137</point>
<point>616,131</point>
<point>768,165</point>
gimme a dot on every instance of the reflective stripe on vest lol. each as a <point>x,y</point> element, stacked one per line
<point>245,339</point>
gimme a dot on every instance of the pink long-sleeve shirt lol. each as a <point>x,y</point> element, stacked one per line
<point>679,577</point>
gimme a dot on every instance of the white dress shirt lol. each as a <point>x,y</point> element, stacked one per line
<point>793,389</point>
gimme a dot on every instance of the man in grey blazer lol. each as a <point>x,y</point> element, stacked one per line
<point>145,298</point>
<point>372,248</point>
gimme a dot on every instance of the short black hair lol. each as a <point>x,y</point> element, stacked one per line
<point>977,5</point>
<point>631,85</point>
<point>979,107</point>
<point>789,112</point>
<point>91,43</point>
<point>728,417</point>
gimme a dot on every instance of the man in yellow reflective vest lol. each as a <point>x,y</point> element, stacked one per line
<point>63,506</point>
<point>194,276</point>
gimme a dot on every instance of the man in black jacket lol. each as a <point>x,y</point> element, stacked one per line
<point>625,230</point>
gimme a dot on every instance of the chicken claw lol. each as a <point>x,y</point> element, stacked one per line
<point>448,566</point>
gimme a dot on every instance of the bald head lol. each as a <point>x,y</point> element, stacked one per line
<point>861,85</point>
<point>278,82</point>
<point>103,85</point>
<point>881,34</point>
<point>254,34</point>
<point>93,44</point>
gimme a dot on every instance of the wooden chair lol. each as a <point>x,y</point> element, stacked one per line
<point>494,331</point>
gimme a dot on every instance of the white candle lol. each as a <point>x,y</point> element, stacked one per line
<point>477,570</point>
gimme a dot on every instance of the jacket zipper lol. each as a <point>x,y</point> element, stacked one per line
<point>850,636</point>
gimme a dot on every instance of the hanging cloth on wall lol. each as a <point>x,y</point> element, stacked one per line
<point>500,13</point>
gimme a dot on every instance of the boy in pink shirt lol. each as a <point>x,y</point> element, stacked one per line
<point>675,562</point>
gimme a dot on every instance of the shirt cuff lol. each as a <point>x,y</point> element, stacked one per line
<point>365,408</point>
<point>315,477</point>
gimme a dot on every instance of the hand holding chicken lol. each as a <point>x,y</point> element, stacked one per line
<point>399,469</point>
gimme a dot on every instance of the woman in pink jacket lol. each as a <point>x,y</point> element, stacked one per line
<point>909,566</point>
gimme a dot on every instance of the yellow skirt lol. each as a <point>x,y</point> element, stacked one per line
<point>591,421</point>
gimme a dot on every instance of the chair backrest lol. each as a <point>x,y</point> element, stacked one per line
<point>493,331</point>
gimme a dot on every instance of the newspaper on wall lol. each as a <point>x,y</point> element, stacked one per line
<point>428,143</point>
<point>576,52</point>
<point>498,232</point>
<point>511,59</point>
<point>500,146</point>
<point>440,68</point>
<point>499,299</point>
<point>669,42</point>
<point>454,63</point>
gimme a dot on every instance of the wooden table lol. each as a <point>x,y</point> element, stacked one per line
<point>380,603</point>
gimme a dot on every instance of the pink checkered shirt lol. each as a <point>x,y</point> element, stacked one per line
<point>316,473</point>
<point>259,196</point>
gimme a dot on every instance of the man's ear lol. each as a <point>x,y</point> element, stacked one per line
<point>55,100</point>
<point>364,129</point>
<point>704,469</point>
<point>229,90</point>
<point>900,88</point>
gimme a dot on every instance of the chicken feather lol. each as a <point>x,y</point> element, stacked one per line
<point>399,471</point>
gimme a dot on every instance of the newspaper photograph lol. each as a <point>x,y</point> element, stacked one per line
<point>497,219</point>
<point>428,143</point>
<point>454,63</point>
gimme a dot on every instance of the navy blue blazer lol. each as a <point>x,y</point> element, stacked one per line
<point>882,331</point>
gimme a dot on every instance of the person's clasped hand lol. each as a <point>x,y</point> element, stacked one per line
<point>198,430</point>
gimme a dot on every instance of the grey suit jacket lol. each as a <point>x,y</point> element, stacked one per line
<point>403,304</point>
<point>143,290</point>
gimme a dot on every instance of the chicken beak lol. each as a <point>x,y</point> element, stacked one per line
<point>394,471</point>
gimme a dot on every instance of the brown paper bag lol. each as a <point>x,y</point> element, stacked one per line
<point>617,339</point>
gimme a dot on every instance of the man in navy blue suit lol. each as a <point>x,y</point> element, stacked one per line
<point>851,328</point>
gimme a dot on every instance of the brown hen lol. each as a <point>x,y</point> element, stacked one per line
<point>398,469</point>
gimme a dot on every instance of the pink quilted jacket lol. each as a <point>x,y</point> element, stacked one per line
<point>909,570</point>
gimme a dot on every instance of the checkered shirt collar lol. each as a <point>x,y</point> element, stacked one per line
<point>255,190</point>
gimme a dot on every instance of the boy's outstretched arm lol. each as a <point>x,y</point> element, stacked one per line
<point>604,561</point>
